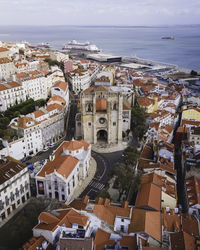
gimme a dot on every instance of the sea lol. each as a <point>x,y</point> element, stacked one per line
<point>144,42</point>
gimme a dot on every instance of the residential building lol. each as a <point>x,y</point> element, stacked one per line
<point>14,186</point>
<point>4,52</point>
<point>11,93</point>
<point>61,89</point>
<point>69,165</point>
<point>7,68</point>
<point>79,80</point>
<point>194,135</point>
<point>192,189</point>
<point>67,66</point>
<point>191,114</point>
<point>35,84</point>
<point>28,129</point>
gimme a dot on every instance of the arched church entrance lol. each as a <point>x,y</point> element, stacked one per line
<point>102,136</point>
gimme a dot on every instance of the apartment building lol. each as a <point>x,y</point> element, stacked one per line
<point>7,68</point>
<point>14,186</point>
<point>11,93</point>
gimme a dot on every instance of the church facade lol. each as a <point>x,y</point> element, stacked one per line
<point>103,116</point>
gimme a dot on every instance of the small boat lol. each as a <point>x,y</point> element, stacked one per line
<point>168,37</point>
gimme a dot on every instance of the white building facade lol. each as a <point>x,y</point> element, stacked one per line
<point>68,166</point>
<point>14,186</point>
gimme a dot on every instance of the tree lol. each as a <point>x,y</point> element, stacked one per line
<point>40,103</point>
<point>103,194</point>
<point>138,125</point>
<point>193,73</point>
<point>16,114</point>
<point>21,51</point>
<point>52,62</point>
<point>124,175</point>
<point>131,156</point>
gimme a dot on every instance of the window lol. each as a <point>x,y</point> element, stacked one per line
<point>114,123</point>
<point>89,124</point>
<point>122,220</point>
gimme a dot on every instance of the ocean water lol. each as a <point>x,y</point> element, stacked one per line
<point>144,42</point>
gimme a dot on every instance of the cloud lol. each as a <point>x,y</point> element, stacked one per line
<point>91,12</point>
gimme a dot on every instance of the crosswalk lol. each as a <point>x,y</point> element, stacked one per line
<point>96,185</point>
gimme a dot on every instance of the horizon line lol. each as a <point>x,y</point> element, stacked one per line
<point>98,25</point>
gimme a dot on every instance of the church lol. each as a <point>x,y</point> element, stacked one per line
<point>104,116</point>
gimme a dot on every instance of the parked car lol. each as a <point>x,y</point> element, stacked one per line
<point>51,145</point>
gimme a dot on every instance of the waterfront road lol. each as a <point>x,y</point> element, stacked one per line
<point>105,163</point>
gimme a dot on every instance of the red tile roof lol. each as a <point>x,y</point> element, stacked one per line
<point>63,165</point>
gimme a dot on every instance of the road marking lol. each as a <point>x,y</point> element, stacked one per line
<point>91,191</point>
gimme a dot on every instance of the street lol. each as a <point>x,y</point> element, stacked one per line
<point>105,163</point>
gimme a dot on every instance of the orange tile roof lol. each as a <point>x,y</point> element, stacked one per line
<point>4,60</point>
<point>155,125</point>
<point>146,221</point>
<point>190,225</point>
<point>38,113</point>
<point>65,216</point>
<point>171,222</point>
<point>22,122</point>
<point>182,241</point>
<point>152,178</point>
<point>13,84</point>
<point>3,87</point>
<point>61,85</point>
<point>34,243</point>
<point>147,88</point>
<point>102,238</point>
<point>139,82</point>
<point>63,165</point>
<point>144,101</point>
<point>189,122</point>
<point>2,49</point>
<point>47,218</point>
<point>91,89</point>
<point>56,98</point>
<point>54,106</point>
<point>71,145</point>
<point>22,75</point>
<point>149,195</point>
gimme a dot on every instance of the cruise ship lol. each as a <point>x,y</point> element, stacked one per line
<point>87,46</point>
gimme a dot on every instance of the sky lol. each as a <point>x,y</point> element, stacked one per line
<point>99,12</point>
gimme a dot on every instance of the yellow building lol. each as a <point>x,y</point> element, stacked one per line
<point>191,114</point>
<point>149,105</point>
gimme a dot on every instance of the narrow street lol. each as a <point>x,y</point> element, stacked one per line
<point>71,121</point>
<point>105,163</point>
<point>179,166</point>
